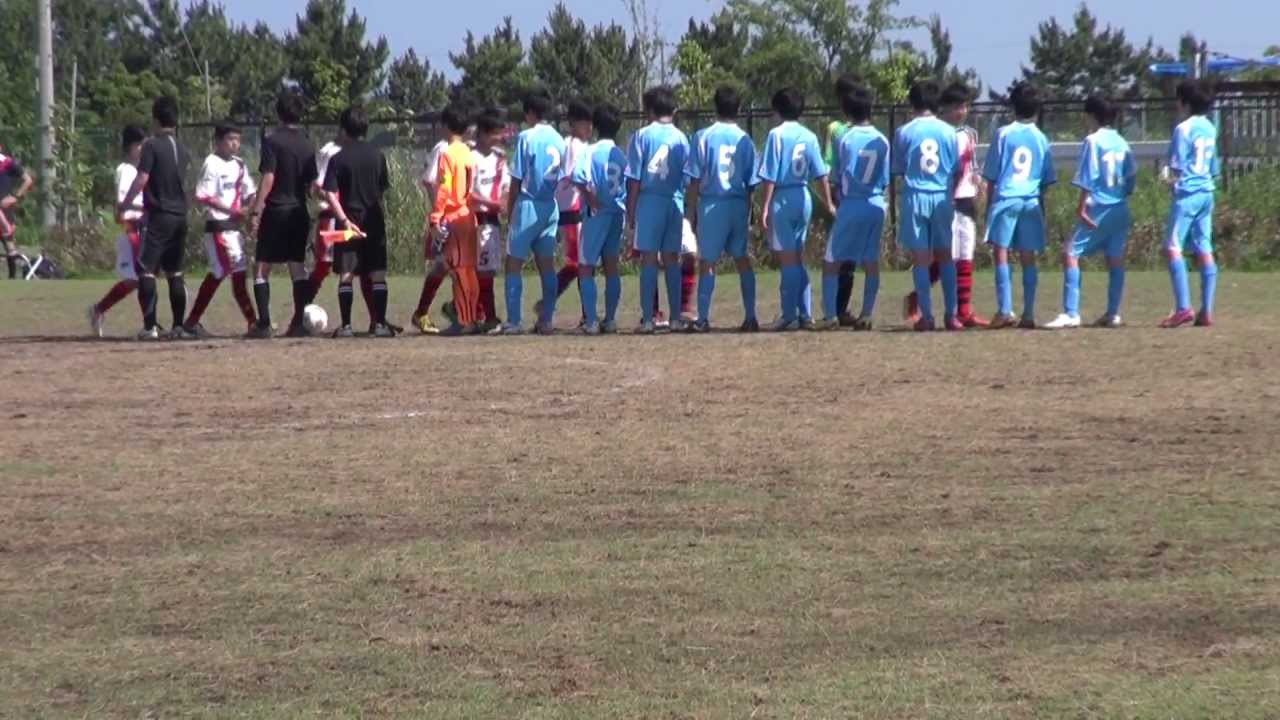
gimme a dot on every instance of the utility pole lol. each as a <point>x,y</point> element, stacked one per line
<point>44,60</point>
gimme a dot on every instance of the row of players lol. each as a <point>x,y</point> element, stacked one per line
<point>562,181</point>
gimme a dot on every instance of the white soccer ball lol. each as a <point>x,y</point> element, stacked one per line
<point>315,319</point>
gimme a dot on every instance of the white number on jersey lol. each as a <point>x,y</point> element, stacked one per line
<point>871,157</point>
<point>1204,153</point>
<point>614,180</point>
<point>799,162</point>
<point>553,168</point>
<point>726,166</point>
<point>659,165</point>
<point>1113,161</point>
<point>930,161</point>
<point>1022,163</point>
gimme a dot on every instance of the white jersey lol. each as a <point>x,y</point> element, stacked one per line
<point>568,196</point>
<point>322,166</point>
<point>431,173</point>
<point>125,175</point>
<point>227,182</point>
<point>968,185</point>
<point>491,179</point>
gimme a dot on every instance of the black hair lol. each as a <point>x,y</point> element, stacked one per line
<point>537,103</point>
<point>131,135</point>
<point>354,121</point>
<point>924,96</point>
<point>223,129</point>
<point>454,121</point>
<point>728,102</point>
<point>289,106</point>
<point>578,111</point>
<point>857,103</point>
<point>489,121</point>
<point>607,120</point>
<point>957,93</point>
<point>1197,95</point>
<point>165,112</point>
<point>1102,109</point>
<point>847,83</point>
<point>1026,101</point>
<point>789,103</point>
<point>660,101</point>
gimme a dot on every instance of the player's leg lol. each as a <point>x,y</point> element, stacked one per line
<point>1119,222</point>
<point>964,241</point>
<point>219,268</point>
<point>788,234</point>
<point>373,263</point>
<point>1181,221</point>
<point>150,251</point>
<point>1081,243</point>
<point>1029,242</point>
<point>570,226</point>
<point>323,253</point>
<point>844,293</point>
<point>171,262</point>
<point>838,254</point>
<point>688,272</point>
<point>737,248</point>
<point>490,260</point>
<point>595,232</point>
<point>544,257</point>
<point>298,230</point>
<point>943,266</point>
<point>714,232</point>
<point>867,228</point>
<point>7,230</point>
<point>1000,230</point>
<point>1202,246</point>
<point>127,280</point>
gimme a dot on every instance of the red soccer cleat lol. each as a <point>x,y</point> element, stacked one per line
<point>974,321</point>
<point>1204,319</point>
<point>1178,319</point>
<point>911,309</point>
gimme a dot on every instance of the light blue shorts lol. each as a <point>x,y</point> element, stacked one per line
<point>533,229</point>
<point>659,224</point>
<point>601,238</point>
<point>856,235</point>
<point>1016,224</point>
<point>1191,224</point>
<point>924,223</point>
<point>789,216</point>
<point>1110,237</point>
<point>722,228</point>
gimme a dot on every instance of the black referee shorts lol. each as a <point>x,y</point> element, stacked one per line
<point>368,254</point>
<point>164,241</point>
<point>283,235</point>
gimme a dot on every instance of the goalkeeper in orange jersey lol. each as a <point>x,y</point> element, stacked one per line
<point>453,222</point>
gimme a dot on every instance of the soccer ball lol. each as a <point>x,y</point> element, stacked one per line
<point>315,319</point>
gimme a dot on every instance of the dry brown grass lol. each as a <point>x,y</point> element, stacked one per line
<point>993,525</point>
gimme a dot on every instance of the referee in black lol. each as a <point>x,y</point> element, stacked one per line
<point>161,172</point>
<point>354,184</point>
<point>281,221</point>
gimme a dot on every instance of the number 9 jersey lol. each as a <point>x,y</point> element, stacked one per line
<point>1019,162</point>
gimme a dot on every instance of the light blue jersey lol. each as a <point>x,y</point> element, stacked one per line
<point>926,155</point>
<point>862,159</point>
<point>1107,170</point>
<point>724,160</point>
<point>1019,162</point>
<point>1193,154</point>
<point>656,159</point>
<point>538,162</point>
<point>792,157</point>
<point>601,171</point>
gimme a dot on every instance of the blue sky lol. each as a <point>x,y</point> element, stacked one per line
<point>989,35</point>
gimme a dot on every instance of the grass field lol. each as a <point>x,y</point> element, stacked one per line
<point>884,525</point>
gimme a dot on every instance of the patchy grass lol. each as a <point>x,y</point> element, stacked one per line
<point>884,525</point>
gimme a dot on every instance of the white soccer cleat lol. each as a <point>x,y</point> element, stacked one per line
<point>95,321</point>
<point>1064,322</point>
<point>679,326</point>
<point>148,335</point>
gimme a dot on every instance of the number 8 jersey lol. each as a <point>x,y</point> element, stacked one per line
<point>1019,162</point>
<point>925,153</point>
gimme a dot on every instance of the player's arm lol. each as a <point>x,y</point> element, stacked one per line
<point>766,197</point>
<point>447,191</point>
<point>633,195</point>
<point>1048,178</point>
<point>23,188</point>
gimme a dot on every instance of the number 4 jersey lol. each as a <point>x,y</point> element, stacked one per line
<point>656,159</point>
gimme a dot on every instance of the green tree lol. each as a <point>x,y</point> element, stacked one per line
<point>325,35</point>
<point>493,68</point>
<point>612,58</point>
<point>699,76</point>
<point>413,87</point>
<point>1082,59</point>
<point>560,54</point>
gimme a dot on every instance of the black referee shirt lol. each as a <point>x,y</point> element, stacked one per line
<point>359,175</point>
<point>165,161</point>
<point>289,154</point>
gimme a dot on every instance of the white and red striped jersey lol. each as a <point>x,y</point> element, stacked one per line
<point>431,173</point>
<point>969,184</point>
<point>568,196</point>
<point>491,179</point>
<point>226,181</point>
<point>125,175</point>
<point>322,166</point>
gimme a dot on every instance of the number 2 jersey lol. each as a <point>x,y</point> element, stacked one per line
<point>538,163</point>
